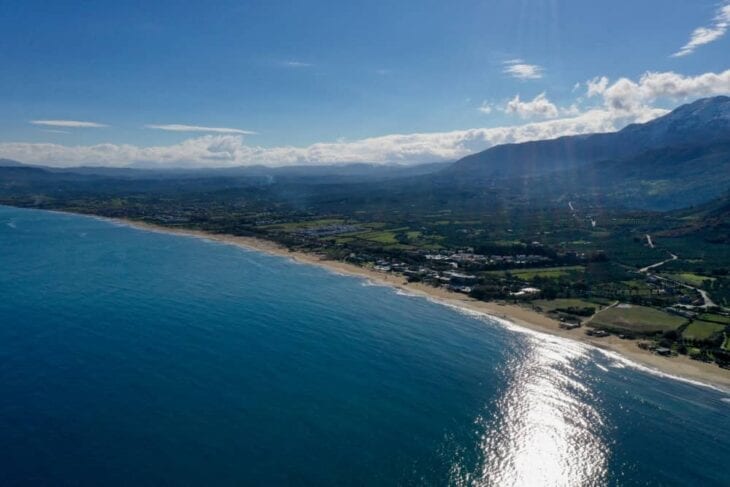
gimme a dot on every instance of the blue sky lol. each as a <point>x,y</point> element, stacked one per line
<point>334,81</point>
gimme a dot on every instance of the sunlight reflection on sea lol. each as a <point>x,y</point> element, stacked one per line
<point>546,430</point>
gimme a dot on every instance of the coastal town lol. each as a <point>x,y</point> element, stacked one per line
<point>661,312</point>
<point>661,284</point>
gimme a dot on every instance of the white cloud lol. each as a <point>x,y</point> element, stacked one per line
<point>705,35</point>
<point>596,86</point>
<point>572,111</point>
<point>628,96</point>
<point>519,69</point>
<point>231,150</point>
<point>174,127</point>
<point>296,64</point>
<point>540,106</point>
<point>486,108</point>
<point>67,124</point>
<point>622,102</point>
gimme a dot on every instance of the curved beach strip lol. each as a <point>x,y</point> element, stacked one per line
<point>516,317</point>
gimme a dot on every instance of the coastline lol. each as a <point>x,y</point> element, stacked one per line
<point>679,367</point>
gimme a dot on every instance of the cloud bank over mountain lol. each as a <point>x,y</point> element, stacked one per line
<point>615,104</point>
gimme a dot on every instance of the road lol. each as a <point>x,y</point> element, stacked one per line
<point>649,241</point>
<point>577,217</point>
<point>612,305</point>
<point>646,269</point>
<point>708,302</point>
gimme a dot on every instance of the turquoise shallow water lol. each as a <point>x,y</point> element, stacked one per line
<point>137,358</point>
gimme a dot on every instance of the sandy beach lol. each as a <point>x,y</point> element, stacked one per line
<point>680,366</point>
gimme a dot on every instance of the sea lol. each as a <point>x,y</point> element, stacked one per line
<point>131,357</point>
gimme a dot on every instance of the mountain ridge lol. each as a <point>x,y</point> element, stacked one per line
<point>704,121</point>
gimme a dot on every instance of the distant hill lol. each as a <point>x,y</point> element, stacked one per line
<point>345,172</point>
<point>711,221</point>
<point>19,178</point>
<point>363,171</point>
<point>661,179</point>
<point>703,122</point>
<point>10,163</point>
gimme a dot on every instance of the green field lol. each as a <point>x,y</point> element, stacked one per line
<point>554,304</point>
<point>385,238</point>
<point>638,319</point>
<point>389,238</point>
<point>545,272</point>
<point>295,226</point>
<point>690,278</point>
<point>343,240</point>
<point>701,330</point>
<point>715,318</point>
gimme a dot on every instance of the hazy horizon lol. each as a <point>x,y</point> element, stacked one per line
<point>439,83</point>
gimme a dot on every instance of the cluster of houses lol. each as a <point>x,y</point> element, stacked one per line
<point>687,297</point>
<point>451,279</point>
<point>467,257</point>
<point>666,286</point>
<point>526,291</point>
<point>455,281</point>
<point>684,311</point>
<point>447,268</point>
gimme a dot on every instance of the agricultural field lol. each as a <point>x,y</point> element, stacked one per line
<point>690,278</point>
<point>702,330</point>
<point>636,319</point>
<point>384,237</point>
<point>544,272</point>
<point>715,318</point>
<point>554,305</point>
<point>303,225</point>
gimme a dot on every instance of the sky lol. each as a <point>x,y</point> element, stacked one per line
<point>227,83</point>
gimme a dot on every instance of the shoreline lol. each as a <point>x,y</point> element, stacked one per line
<point>679,367</point>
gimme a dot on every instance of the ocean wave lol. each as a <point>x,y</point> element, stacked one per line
<point>406,293</point>
<point>603,368</point>
<point>622,362</point>
<point>618,361</point>
<point>367,282</point>
<point>330,270</point>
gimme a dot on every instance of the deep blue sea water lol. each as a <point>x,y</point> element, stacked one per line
<point>137,358</point>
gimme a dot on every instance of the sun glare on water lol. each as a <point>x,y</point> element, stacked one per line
<point>546,431</point>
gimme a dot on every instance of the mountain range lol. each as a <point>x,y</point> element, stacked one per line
<point>677,160</point>
<point>704,122</point>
